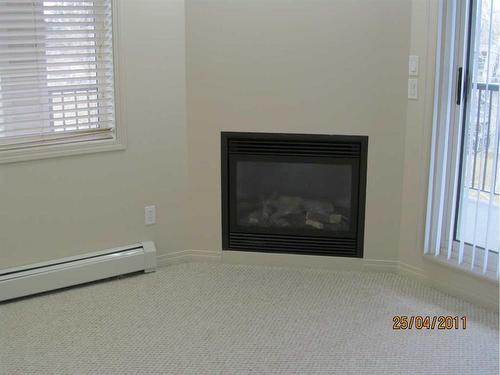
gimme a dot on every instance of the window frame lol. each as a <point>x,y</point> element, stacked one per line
<point>119,142</point>
<point>454,177</point>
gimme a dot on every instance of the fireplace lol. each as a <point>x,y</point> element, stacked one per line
<point>293,193</point>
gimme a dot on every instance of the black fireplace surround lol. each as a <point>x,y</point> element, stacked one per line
<point>293,193</point>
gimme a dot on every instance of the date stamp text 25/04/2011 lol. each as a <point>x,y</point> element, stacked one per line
<point>440,322</point>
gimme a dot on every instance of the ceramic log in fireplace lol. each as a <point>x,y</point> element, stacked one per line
<point>293,193</point>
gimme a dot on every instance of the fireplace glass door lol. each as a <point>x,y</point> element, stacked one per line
<point>290,195</point>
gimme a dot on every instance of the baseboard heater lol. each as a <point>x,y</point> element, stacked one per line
<point>65,272</point>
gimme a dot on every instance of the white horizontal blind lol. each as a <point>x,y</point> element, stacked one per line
<point>56,72</point>
<point>463,206</point>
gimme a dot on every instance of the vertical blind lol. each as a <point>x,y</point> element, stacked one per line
<point>56,72</point>
<point>479,204</point>
<point>463,223</point>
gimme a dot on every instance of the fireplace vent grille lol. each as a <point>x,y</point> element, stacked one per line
<point>294,148</point>
<point>287,244</point>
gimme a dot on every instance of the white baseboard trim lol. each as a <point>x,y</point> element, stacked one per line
<point>309,261</point>
<point>185,256</point>
<point>177,257</point>
<point>272,259</point>
<point>206,256</point>
<point>477,297</point>
<point>377,265</point>
<point>332,263</point>
<point>463,268</point>
<point>410,271</point>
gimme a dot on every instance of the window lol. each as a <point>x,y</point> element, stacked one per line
<point>56,75</point>
<point>464,194</point>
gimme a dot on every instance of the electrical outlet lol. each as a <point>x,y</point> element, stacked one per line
<point>150,215</point>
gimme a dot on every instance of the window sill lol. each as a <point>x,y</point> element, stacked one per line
<point>55,151</point>
<point>463,268</point>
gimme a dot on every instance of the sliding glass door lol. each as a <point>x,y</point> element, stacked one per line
<point>477,224</point>
<point>463,208</point>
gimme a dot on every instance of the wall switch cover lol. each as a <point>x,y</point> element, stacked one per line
<point>413,66</point>
<point>413,88</point>
<point>150,215</point>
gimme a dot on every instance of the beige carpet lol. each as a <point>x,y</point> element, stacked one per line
<point>224,319</point>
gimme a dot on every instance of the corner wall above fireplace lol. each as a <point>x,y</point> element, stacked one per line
<point>293,193</point>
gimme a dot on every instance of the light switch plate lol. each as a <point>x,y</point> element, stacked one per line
<point>413,88</point>
<point>150,215</point>
<point>413,66</point>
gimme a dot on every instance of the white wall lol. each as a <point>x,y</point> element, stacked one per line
<point>65,206</point>
<point>320,66</point>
